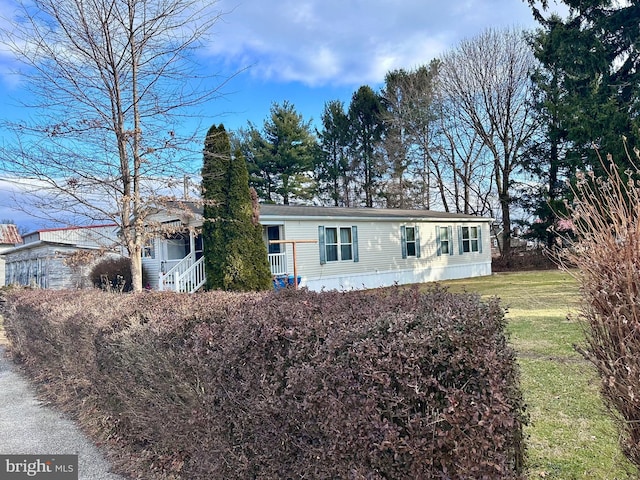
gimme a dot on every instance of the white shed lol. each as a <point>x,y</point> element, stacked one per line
<point>40,260</point>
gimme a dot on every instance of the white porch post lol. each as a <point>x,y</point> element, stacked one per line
<point>192,242</point>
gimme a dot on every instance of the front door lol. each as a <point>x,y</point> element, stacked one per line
<point>273,233</point>
<point>199,247</point>
<point>277,252</point>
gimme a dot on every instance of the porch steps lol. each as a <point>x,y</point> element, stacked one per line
<point>187,276</point>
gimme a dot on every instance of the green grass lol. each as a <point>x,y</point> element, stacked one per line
<point>570,436</point>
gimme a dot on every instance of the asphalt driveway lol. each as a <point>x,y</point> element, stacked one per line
<point>29,427</point>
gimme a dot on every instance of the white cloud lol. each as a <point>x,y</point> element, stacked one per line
<point>333,42</point>
<point>14,196</point>
<point>337,42</point>
<point>7,59</point>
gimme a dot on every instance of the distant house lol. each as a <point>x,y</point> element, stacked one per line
<point>9,238</point>
<point>336,248</point>
<point>517,243</point>
<point>43,260</point>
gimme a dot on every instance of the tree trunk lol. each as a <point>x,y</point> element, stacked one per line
<point>505,201</point>
<point>553,191</point>
<point>136,269</point>
<point>441,185</point>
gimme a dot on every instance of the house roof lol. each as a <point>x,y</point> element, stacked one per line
<point>82,237</point>
<point>9,234</point>
<point>269,211</point>
<point>80,227</point>
<point>299,211</point>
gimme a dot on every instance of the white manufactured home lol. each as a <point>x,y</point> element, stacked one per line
<point>338,248</point>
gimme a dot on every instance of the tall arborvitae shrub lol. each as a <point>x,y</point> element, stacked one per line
<point>247,266</point>
<point>217,153</point>
<point>606,251</point>
<point>235,254</point>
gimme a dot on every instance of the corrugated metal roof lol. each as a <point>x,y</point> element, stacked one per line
<point>9,234</point>
<point>84,227</point>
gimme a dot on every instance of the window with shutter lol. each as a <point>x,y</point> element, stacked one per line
<point>338,244</point>
<point>470,239</point>
<point>409,241</point>
<point>444,237</point>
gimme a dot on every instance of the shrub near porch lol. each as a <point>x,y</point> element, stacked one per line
<point>289,384</point>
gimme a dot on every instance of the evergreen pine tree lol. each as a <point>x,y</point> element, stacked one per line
<point>281,156</point>
<point>235,254</point>
<point>594,57</point>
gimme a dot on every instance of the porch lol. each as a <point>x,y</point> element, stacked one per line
<point>182,261</point>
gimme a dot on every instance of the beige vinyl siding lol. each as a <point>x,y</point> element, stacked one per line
<point>379,248</point>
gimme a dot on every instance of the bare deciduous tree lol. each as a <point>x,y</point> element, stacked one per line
<point>112,82</point>
<point>487,79</point>
<point>411,129</point>
<point>429,149</point>
<point>465,158</point>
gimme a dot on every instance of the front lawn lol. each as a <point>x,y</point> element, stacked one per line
<point>570,435</point>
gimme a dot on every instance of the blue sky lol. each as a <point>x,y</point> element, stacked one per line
<point>309,52</point>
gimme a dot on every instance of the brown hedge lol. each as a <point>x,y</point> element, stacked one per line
<point>291,384</point>
<point>604,257</point>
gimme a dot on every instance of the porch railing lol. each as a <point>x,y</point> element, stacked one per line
<point>187,276</point>
<point>278,263</point>
<point>193,277</point>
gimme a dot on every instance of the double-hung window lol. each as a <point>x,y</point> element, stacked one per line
<point>338,244</point>
<point>410,242</point>
<point>444,239</point>
<point>470,239</point>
